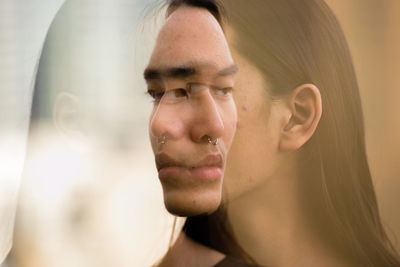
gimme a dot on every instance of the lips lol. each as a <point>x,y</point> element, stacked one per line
<point>208,168</point>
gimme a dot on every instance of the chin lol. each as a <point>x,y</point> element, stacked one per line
<point>187,204</point>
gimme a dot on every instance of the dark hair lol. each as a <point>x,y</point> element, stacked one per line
<point>214,7</point>
<point>294,42</point>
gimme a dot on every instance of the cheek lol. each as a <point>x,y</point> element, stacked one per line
<point>248,161</point>
<point>230,119</point>
<point>152,136</point>
<point>252,149</point>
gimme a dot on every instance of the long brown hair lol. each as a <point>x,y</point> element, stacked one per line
<point>294,42</point>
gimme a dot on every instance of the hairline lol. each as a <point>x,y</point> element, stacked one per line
<point>216,9</point>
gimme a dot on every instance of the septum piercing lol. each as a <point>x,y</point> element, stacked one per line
<point>211,142</point>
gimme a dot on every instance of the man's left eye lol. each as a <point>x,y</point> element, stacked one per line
<point>223,91</point>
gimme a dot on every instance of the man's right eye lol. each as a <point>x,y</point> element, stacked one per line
<point>156,95</point>
<point>176,93</point>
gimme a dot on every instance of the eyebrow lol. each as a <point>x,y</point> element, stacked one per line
<point>233,69</point>
<point>183,71</point>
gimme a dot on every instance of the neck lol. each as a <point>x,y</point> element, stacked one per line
<point>185,252</point>
<point>273,225</point>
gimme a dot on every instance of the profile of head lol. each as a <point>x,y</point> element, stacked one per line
<point>299,115</point>
<point>82,92</point>
<point>190,77</point>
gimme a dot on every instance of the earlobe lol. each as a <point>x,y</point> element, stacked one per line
<point>67,115</point>
<point>305,107</point>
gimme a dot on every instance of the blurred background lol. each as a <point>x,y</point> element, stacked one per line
<point>96,201</point>
<point>90,200</point>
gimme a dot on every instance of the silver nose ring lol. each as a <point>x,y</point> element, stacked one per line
<point>212,142</point>
<point>162,142</point>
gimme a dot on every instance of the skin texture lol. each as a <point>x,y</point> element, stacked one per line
<point>270,130</point>
<point>254,136</point>
<point>186,120</point>
<point>262,183</point>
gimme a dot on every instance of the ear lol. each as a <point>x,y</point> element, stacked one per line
<point>305,110</point>
<point>67,115</point>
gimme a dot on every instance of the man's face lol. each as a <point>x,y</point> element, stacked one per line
<point>190,75</point>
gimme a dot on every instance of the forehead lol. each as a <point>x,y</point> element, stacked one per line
<point>191,34</point>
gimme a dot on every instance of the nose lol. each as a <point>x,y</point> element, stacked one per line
<point>199,119</point>
<point>165,122</point>
<point>207,120</point>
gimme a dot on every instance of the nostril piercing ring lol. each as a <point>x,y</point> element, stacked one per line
<point>162,142</point>
<point>211,142</point>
